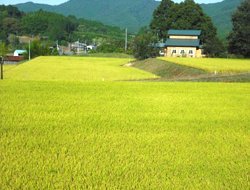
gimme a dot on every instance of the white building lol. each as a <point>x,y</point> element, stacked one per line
<point>78,47</point>
<point>19,52</point>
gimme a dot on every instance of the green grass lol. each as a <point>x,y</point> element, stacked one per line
<point>121,135</point>
<point>167,70</point>
<point>217,65</point>
<point>76,68</point>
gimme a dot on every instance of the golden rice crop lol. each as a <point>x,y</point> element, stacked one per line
<point>215,65</point>
<point>76,69</point>
<point>56,133</point>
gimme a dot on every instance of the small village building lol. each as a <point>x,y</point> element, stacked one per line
<point>183,43</point>
<point>78,47</point>
<point>16,57</point>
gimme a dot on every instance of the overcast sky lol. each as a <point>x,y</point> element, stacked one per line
<point>56,2</point>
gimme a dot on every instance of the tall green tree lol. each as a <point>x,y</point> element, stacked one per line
<point>163,18</point>
<point>3,52</point>
<point>185,15</point>
<point>143,45</point>
<point>38,48</point>
<point>239,38</point>
<point>3,49</point>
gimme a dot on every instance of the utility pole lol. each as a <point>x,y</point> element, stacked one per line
<point>29,50</point>
<point>126,40</point>
<point>78,47</point>
<point>2,60</point>
<point>85,49</point>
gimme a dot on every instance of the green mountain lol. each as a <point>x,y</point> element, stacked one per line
<point>221,14</point>
<point>132,14</point>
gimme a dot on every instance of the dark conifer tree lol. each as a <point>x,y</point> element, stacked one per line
<point>143,45</point>
<point>162,18</point>
<point>239,38</point>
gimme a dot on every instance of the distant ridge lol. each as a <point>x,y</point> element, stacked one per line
<point>132,14</point>
<point>221,14</point>
<point>30,7</point>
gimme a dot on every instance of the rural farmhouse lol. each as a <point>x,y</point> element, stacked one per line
<point>183,43</point>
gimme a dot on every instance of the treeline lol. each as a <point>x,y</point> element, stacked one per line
<point>55,27</point>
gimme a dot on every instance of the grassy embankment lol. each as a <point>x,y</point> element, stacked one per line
<point>62,127</point>
<point>207,70</point>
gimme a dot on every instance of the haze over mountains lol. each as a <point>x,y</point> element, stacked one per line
<point>130,13</point>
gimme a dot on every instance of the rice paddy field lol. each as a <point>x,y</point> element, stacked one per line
<point>217,65</point>
<point>75,69</point>
<point>63,127</point>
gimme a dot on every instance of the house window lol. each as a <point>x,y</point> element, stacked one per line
<point>182,51</point>
<point>174,51</point>
<point>191,52</point>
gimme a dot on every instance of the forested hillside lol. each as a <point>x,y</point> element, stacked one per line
<point>54,26</point>
<point>9,21</point>
<point>133,14</point>
<point>123,13</point>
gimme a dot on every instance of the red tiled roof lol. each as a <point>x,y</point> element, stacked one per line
<point>14,58</point>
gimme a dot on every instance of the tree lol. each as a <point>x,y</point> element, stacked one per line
<point>9,21</point>
<point>3,52</point>
<point>13,42</point>
<point>3,49</point>
<point>216,48</point>
<point>37,49</point>
<point>239,38</point>
<point>35,23</point>
<point>111,46</point>
<point>184,16</point>
<point>162,18</point>
<point>143,45</point>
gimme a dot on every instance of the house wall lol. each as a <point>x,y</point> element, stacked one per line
<point>199,53</point>
<point>184,37</point>
<point>169,52</point>
<point>16,54</point>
